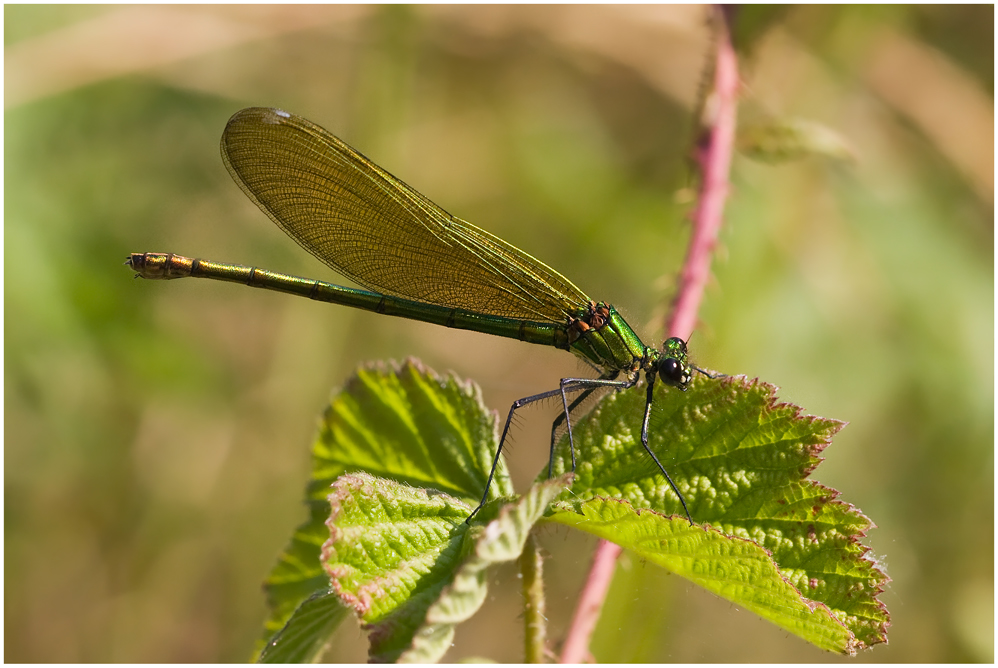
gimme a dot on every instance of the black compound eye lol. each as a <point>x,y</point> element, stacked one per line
<point>672,371</point>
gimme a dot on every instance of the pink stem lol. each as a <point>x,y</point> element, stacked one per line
<point>576,648</point>
<point>714,156</point>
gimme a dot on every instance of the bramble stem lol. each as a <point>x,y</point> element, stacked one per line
<point>714,157</point>
<point>535,621</point>
<point>576,649</point>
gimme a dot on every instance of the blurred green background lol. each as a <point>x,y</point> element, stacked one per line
<point>157,434</point>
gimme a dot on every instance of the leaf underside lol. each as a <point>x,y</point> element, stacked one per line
<point>410,566</point>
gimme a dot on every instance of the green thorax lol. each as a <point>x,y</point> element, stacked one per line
<point>603,337</point>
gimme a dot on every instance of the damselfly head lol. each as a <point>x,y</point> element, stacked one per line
<point>673,366</point>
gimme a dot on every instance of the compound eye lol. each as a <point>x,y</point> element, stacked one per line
<point>674,342</point>
<point>672,371</point>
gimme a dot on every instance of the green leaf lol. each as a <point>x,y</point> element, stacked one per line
<point>401,555</point>
<point>734,568</point>
<point>408,424</point>
<point>500,540</point>
<point>297,575</point>
<point>303,639</point>
<point>402,423</point>
<point>410,566</point>
<point>741,461</point>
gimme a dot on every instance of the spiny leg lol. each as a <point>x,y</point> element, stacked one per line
<point>519,403</point>
<point>566,385</point>
<point>567,416</point>
<point>575,384</point>
<point>644,442</point>
<point>712,376</point>
<point>557,423</point>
